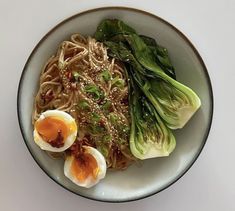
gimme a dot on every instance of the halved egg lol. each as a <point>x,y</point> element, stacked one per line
<point>55,131</point>
<point>87,168</point>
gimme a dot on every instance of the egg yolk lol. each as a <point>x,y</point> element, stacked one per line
<point>84,165</point>
<point>53,130</point>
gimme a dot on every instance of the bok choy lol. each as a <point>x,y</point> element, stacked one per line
<point>174,102</point>
<point>158,103</point>
<point>149,136</point>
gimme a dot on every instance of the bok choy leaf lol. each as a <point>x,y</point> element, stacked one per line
<point>149,136</point>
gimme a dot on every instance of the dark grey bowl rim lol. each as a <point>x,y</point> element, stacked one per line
<point>182,36</point>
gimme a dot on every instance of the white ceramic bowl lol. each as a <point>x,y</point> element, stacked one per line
<point>153,175</point>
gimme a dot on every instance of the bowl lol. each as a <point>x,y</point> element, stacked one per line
<point>153,175</point>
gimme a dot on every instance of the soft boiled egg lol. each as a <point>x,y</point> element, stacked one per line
<point>55,131</point>
<point>86,168</point>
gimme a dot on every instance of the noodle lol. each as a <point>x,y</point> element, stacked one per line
<point>82,80</point>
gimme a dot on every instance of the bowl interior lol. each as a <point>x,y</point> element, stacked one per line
<point>152,175</point>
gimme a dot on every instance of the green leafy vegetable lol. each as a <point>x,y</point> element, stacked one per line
<point>117,31</point>
<point>121,52</point>
<point>161,56</point>
<point>107,138</point>
<point>109,28</point>
<point>84,105</point>
<point>158,102</point>
<point>107,105</point>
<point>174,102</point>
<point>104,150</point>
<point>95,129</point>
<point>118,82</point>
<point>149,136</point>
<point>95,91</point>
<point>113,118</point>
<point>93,124</point>
<point>95,117</point>
<point>106,75</point>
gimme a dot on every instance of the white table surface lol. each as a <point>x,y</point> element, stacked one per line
<point>208,185</point>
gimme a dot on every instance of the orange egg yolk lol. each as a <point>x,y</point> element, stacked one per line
<point>53,130</point>
<point>84,165</point>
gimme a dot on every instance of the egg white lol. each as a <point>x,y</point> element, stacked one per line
<point>68,119</point>
<point>90,181</point>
